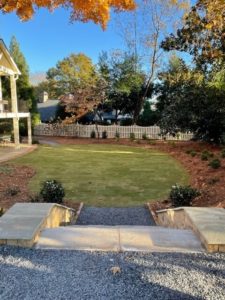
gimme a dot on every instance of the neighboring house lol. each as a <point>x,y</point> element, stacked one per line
<point>9,108</point>
<point>47,110</point>
<point>110,117</point>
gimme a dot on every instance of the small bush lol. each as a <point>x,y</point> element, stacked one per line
<point>52,191</point>
<point>138,141</point>
<point>6,169</point>
<point>104,134</point>
<point>93,134</point>
<point>183,195</point>
<point>215,163</point>
<point>207,154</point>
<point>12,190</point>
<point>204,156</point>
<point>172,144</point>
<point>132,136</point>
<point>193,153</point>
<point>188,151</point>
<point>223,153</point>
<point>144,136</point>
<point>213,181</point>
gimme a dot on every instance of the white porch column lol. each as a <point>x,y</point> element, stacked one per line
<point>15,110</point>
<point>29,130</point>
<point>1,102</point>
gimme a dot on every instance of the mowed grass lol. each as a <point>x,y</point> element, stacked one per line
<point>106,175</point>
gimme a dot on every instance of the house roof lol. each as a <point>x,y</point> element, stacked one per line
<point>7,64</point>
<point>47,109</point>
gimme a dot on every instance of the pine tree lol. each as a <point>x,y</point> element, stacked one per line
<point>25,90</point>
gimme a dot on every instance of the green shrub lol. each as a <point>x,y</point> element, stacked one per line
<point>188,151</point>
<point>215,163</point>
<point>223,153</point>
<point>104,134</point>
<point>204,156</point>
<point>132,136</point>
<point>213,181</point>
<point>12,191</point>
<point>6,169</point>
<point>144,136</point>
<point>52,191</point>
<point>93,134</point>
<point>193,153</point>
<point>183,195</point>
<point>172,144</point>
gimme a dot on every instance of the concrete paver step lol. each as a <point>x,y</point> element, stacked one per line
<point>119,238</point>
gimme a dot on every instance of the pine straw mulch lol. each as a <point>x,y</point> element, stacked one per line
<point>14,186</point>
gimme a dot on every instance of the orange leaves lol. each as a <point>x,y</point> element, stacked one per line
<point>97,11</point>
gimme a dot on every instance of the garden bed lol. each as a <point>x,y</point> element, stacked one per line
<point>14,186</point>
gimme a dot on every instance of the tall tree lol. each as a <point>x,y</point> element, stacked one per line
<point>188,101</point>
<point>71,73</point>
<point>23,80</point>
<point>83,100</point>
<point>126,82</point>
<point>96,10</point>
<point>203,33</point>
<point>25,90</point>
<point>143,31</point>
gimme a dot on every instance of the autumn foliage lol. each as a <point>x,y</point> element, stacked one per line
<point>96,10</point>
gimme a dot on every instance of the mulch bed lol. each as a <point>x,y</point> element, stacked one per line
<point>210,182</point>
<point>14,184</point>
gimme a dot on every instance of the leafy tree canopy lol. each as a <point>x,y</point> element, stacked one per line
<point>203,33</point>
<point>188,101</point>
<point>94,10</point>
<point>126,82</point>
<point>71,73</point>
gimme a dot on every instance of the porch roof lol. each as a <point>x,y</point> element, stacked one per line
<point>7,64</point>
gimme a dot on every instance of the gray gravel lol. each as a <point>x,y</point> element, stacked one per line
<point>47,274</point>
<point>115,216</point>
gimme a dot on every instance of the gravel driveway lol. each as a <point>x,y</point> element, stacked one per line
<point>38,274</point>
<point>115,216</point>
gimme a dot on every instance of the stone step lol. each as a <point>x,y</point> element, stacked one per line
<point>23,222</point>
<point>208,223</point>
<point>119,238</point>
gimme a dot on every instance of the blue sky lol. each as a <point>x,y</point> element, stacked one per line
<point>49,37</point>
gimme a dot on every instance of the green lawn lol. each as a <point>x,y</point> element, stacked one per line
<point>106,175</point>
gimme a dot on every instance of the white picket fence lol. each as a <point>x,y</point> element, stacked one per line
<point>84,131</point>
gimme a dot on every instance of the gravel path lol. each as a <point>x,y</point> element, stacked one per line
<point>115,216</point>
<point>38,274</point>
